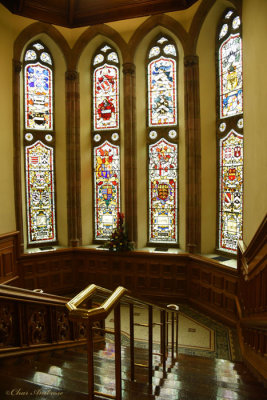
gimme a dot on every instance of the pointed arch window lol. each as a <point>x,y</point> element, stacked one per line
<point>230,131</point>
<point>39,144</point>
<point>106,140</point>
<point>162,139</point>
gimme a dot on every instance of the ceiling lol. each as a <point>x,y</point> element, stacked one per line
<point>77,13</point>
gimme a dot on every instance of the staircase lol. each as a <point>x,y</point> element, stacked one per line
<point>63,375</point>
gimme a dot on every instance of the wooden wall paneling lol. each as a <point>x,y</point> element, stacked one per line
<point>8,255</point>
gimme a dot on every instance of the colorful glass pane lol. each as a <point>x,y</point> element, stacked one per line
<point>162,92</point>
<point>40,189</point>
<point>38,46</point>
<point>45,57</point>
<point>231,191</point>
<point>98,59</point>
<point>230,76</point>
<point>223,31</point>
<point>38,97</point>
<point>106,97</point>
<point>236,22</point>
<point>106,189</point>
<point>154,51</point>
<point>113,57</point>
<point>30,55</point>
<point>170,49</point>
<point>163,192</point>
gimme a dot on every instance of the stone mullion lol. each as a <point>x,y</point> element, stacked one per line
<point>130,150</point>
<point>193,155</point>
<point>17,65</point>
<point>73,158</point>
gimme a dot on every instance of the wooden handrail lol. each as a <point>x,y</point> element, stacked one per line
<point>113,302</point>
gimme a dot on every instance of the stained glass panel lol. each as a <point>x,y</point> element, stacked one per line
<point>163,192</point>
<point>40,189</point>
<point>162,92</point>
<point>38,97</point>
<point>106,188</point>
<point>106,97</point>
<point>230,76</point>
<point>231,191</point>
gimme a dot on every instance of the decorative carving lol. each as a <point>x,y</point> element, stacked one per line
<point>191,60</point>
<point>6,325</point>
<point>72,75</point>
<point>82,331</point>
<point>37,327</point>
<point>128,68</point>
<point>63,326</point>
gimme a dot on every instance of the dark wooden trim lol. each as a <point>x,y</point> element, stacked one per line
<point>73,158</point>
<point>130,167</point>
<point>75,14</point>
<point>258,241</point>
<point>193,154</point>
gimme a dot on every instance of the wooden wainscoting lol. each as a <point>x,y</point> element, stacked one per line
<point>157,276</point>
<point>154,275</point>
<point>53,272</point>
<point>252,293</point>
<point>213,288</point>
<point>8,257</point>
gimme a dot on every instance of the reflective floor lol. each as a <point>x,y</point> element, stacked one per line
<point>63,375</point>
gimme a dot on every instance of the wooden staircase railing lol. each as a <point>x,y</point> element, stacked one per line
<point>31,321</point>
<point>113,302</point>
<point>252,295</point>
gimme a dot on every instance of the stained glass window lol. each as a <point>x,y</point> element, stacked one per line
<point>40,193</point>
<point>39,144</point>
<point>162,141</point>
<point>106,141</point>
<point>163,192</point>
<point>230,132</point>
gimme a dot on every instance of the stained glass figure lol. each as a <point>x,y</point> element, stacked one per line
<point>38,97</point>
<point>231,191</point>
<point>163,192</point>
<point>106,97</point>
<point>39,157</point>
<point>40,189</point>
<point>106,188</point>
<point>230,142</point>
<point>230,74</point>
<point>162,92</point>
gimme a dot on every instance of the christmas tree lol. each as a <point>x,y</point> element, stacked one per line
<point>119,238</point>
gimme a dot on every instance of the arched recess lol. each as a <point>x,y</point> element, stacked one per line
<point>138,47</point>
<point>83,52</point>
<point>207,19</point>
<point>60,52</point>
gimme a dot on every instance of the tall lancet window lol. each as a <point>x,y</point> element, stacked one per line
<point>106,140</point>
<point>39,144</point>
<point>162,139</point>
<point>230,131</point>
